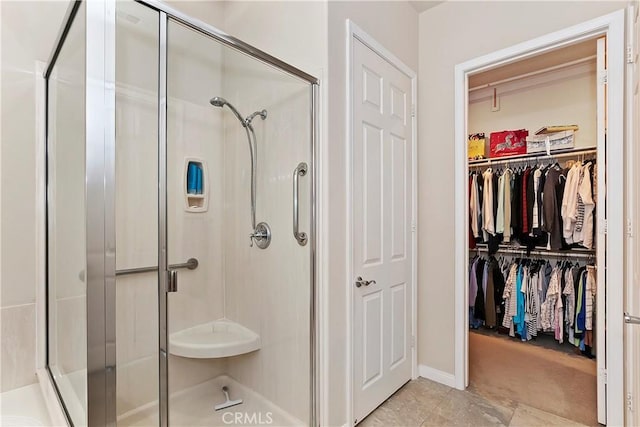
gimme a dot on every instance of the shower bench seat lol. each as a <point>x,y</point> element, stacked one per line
<point>220,338</point>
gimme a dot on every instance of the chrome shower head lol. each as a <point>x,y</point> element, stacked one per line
<point>217,101</point>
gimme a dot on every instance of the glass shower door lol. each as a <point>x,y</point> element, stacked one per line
<point>136,214</point>
<point>80,232</point>
<point>67,218</point>
<point>238,157</point>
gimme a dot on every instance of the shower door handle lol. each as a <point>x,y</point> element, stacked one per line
<point>172,281</point>
<point>301,237</point>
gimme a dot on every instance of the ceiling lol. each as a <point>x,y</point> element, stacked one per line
<point>540,62</point>
<point>422,5</point>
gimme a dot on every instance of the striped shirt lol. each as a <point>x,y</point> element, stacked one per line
<point>509,295</point>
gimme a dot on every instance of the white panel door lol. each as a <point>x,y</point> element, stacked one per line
<point>382,209</point>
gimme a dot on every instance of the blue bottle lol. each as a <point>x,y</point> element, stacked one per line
<point>198,179</point>
<point>192,178</point>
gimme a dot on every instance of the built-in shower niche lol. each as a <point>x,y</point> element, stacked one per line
<point>195,178</point>
<point>220,338</point>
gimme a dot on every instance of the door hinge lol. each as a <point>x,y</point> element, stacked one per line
<point>629,228</point>
<point>414,227</point>
<point>413,341</point>
<point>629,402</point>
<point>631,58</point>
<point>603,373</point>
<point>604,226</point>
<point>413,110</point>
<point>604,77</point>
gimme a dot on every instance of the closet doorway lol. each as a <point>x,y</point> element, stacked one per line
<point>537,261</point>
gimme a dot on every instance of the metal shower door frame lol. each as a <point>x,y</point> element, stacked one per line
<point>100,65</point>
<point>99,84</point>
<point>167,14</point>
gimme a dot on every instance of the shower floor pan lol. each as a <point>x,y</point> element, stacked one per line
<point>193,407</point>
<point>220,338</point>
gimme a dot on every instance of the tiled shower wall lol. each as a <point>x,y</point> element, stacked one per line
<point>194,130</point>
<point>269,290</point>
<point>19,205</point>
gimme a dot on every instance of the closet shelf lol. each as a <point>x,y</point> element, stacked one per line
<point>522,250</point>
<point>524,157</point>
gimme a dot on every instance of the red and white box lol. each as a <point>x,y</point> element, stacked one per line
<point>508,143</point>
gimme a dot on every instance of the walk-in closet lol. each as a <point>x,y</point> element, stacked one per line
<point>536,170</point>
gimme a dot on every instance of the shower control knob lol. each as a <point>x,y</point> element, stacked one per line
<point>261,236</point>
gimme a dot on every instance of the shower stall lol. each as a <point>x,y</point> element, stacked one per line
<point>180,231</point>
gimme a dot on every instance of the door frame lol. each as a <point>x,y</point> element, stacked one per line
<point>632,374</point>
<point>356,33</point>
<point>613,27</point>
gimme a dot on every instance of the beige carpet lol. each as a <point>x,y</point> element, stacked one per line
<point>553,381</point>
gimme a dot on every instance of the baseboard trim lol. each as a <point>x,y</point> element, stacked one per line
<point>437,375</point>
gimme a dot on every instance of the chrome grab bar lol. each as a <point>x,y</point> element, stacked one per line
<point>631,319</point>
<point>191,264</point>
<point>301,237</point>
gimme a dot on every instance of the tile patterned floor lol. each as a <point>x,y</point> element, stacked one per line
<point>426,403</point>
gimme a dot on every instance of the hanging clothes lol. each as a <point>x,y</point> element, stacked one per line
<point>473,225</point>
<point>583,231</point>
<point>551,211</point>
<point>569,210</point>
<point>541,206</point>
<point>489,297</point>
<point>509,296</point>
<point>535,297</point>
<point>508,184</point>
<point>500,209</point>
<point>488,224</point>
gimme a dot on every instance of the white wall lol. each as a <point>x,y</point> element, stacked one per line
<point>41,20</point>
<point>480,28</point>
<point>294,32</point>
<point>395,26</point>
<point>571,100</point>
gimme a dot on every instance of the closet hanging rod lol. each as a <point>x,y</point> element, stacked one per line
<point>534,73</point>
<point>544,253</point>
<point>532,156</point>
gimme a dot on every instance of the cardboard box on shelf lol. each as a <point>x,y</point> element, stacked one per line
<point>551,142</point>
